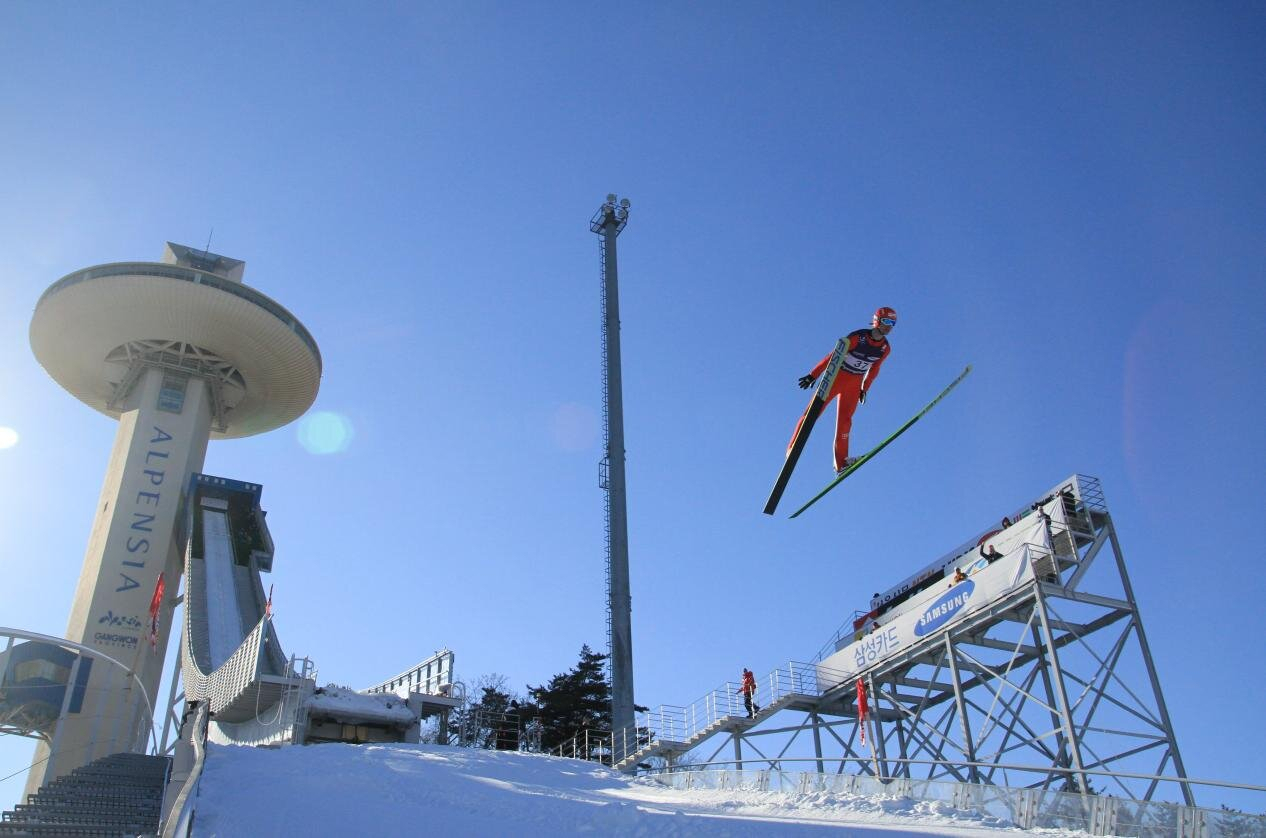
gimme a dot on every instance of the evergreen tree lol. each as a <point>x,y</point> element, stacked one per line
<point>492,722</point>
<point>573,702</point>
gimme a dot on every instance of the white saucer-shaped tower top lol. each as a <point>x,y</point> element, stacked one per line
<point>189,312</point>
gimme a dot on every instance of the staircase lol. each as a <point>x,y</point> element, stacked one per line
<point>665,747</point>
<point>118,795</point>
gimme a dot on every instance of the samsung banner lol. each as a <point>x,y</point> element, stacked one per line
<point>946,602</point>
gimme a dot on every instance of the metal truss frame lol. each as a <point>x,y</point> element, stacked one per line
<point>224,380</point>
<point>1051,687</point>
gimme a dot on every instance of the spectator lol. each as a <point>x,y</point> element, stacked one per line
<point>959,576</point>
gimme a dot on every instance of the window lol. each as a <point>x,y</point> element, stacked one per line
<point>171,396</point>
<point>41,670</point>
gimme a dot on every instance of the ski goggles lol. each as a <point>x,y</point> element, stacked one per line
<point>887,321</point>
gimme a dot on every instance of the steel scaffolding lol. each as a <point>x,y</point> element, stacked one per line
<point>1050,685</point>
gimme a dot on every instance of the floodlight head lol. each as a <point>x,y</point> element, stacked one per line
<point>610,197</point>
<point>624,202</point>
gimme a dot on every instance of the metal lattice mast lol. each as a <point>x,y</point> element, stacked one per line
<point>607,222</point>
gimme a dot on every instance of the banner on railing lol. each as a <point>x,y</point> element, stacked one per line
<point>946,601</point>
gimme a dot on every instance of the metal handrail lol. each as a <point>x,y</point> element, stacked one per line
<point>1088,493</point>
<point>675,724</point>
<point>180,820</point>
<point>91,652</point>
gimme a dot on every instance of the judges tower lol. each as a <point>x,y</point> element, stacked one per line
<point>179,352</point>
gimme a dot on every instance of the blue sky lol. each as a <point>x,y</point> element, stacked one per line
<point>1069,196</point>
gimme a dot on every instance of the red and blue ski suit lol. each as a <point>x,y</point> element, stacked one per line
<point>863,356</point>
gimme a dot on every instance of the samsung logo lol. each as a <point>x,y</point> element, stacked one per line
<point>943,610</point>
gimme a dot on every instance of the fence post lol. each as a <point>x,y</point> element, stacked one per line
<point>1026,808</point>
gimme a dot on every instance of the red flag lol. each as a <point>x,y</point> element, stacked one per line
<point>862,709</point>
<point>155,604</point>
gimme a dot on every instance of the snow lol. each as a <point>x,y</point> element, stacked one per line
<point>340,702</point>
<point>398,789</point>
<point>223,620</point>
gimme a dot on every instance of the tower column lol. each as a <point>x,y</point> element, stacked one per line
<point>164,424</point>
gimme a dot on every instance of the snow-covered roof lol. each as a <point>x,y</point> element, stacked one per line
<point>350,706</point>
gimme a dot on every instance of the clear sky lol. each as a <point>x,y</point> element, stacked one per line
<point>1068,195</point>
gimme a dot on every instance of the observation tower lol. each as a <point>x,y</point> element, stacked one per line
<point>179,352</point>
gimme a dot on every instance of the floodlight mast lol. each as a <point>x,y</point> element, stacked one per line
<point>607,222</point>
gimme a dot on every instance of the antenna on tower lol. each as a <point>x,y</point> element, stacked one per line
<point>206,251</point>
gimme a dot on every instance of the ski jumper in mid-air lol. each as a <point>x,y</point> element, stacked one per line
<point>863,356</point>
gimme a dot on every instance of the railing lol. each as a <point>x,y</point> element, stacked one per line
<point>123,738</point>
<point>179,821</point>
<point>1025,808</point>
<point>237,289</point>
<point>1084,492</point>
<point>669,726</point>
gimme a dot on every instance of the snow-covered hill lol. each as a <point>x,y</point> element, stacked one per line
<point>328,790</point>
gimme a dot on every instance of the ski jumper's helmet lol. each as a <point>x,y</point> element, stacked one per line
<point>884,313</point>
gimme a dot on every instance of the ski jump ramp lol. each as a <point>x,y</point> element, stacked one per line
<point>230,655</point>
<point>231,659</point>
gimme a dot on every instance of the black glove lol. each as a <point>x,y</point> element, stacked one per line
<point>806,381</point>
<point>861,397</point>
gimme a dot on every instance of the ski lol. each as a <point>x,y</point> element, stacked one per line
<point>810,418</point>
<point>862,460</point>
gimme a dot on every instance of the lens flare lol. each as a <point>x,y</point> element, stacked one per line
<point>8,437</point>
<point>325,432</point>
